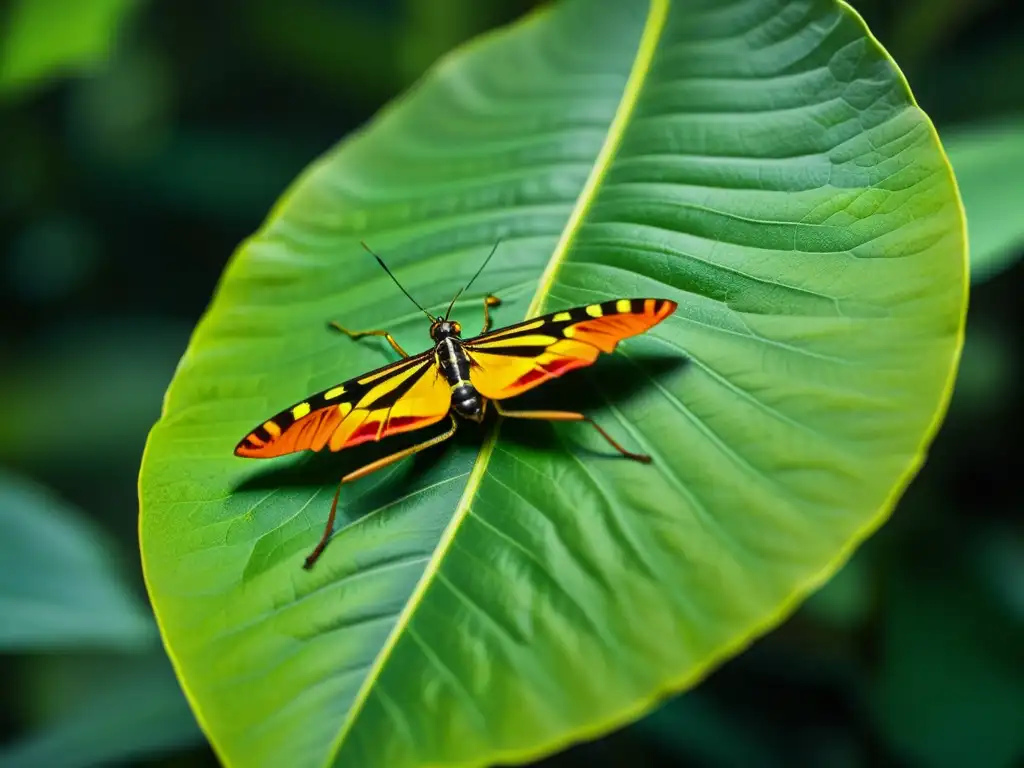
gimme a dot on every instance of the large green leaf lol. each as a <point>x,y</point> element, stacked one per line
<point>762,163</point>
<point>988,159</point>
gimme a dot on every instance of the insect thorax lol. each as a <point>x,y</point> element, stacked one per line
<point>452,360</point>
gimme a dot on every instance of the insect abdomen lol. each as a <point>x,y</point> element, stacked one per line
<point>467,401</point>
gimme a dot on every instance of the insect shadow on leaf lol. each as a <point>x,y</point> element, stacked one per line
<point>612,382</point>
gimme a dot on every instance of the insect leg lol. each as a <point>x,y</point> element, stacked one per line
<point>359,334</point>
<point>362,472</point>
<point>489,301</point>
<point>571,416</point>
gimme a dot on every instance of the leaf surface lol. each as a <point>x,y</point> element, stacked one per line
<point>760,162</point>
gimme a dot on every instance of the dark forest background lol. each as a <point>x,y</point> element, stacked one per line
<point>126,185</point>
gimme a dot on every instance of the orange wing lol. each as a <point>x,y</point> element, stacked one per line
<point>510,361</point>
<point>403,396</point>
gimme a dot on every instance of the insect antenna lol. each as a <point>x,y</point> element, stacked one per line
<point>385,266</point>
<point>474,277</point>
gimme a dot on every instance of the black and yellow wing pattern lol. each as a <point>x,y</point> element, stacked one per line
<point>409,394</point>
<point>401,397</point>
<point>509,361</point>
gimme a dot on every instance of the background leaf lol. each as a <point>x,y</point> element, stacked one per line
<point>696,729</point>
<point>57,587</point>
<point>44,38</point>
<point>128,707</point>
<point>101,687</point>
<point>763,164</point>
<point>988,159</point>
<point>76,368</point>
<point>957,682</point>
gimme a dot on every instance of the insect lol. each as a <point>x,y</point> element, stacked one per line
<point>455,377</point>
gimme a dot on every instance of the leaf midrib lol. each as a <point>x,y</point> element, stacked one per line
<point>649,38</point>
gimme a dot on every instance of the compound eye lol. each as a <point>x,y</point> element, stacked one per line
<point>456,327</point>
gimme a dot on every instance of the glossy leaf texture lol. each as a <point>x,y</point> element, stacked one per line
<point>762,163</point>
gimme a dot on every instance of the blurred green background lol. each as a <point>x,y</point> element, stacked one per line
<point>141,141</point>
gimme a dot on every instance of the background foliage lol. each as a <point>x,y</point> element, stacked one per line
<point>127,185</point>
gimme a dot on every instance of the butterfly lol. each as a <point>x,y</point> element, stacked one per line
<point>455,377</point>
